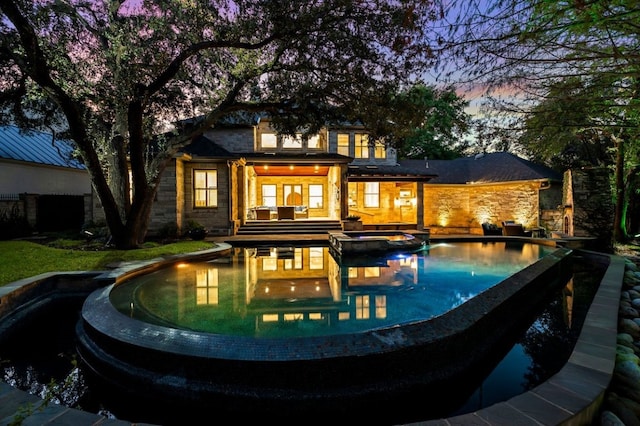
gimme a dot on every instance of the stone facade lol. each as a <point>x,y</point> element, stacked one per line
<point>461,209</point>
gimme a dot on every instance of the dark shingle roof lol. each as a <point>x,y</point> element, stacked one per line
<point>486,168</point>
<point>205,147</point>
<point>36,147</point>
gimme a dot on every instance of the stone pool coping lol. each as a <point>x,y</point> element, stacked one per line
<point>572,396</point>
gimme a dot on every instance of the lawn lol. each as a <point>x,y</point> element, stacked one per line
<point>23,259</point>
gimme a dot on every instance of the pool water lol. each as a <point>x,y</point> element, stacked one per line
<point>534,355</point>
<point>303,291</point>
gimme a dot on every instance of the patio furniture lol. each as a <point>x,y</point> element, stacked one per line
<point>286,212</point>
<point>491,229</point>
<point>263,214</point>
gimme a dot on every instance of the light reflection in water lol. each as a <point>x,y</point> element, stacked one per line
<point>304,291</point>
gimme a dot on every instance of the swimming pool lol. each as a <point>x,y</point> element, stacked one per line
<point>288,291</point>
<point>385,398</point>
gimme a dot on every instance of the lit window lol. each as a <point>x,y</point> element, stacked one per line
<point>268,140</point>
<point>292,142</point>
<point>316,258</point>
<point>372,194</point>
<point>270,263</point>
<point>362,307</point>
<point>381,306</point>
<point>380,150</point>
<point>362,146</point>
<point>314,142</point>
<point>296,262</point>
<point>315,196</point>
<point>269,195</point>
<point>207,286</point>
<point>205,188</point>
<point>343,144</point>
<point>371,271</point>
<point>292,195</point>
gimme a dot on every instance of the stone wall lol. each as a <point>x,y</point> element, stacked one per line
<point>463,208</point>
<point>588,205</point>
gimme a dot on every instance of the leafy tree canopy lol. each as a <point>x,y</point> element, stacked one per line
<point>112,75</point>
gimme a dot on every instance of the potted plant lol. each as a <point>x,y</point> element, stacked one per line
<point>352,223</point>
<point>195,230</point>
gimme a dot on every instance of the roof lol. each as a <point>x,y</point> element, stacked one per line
<point>36,147</point>
<point>482,168</point>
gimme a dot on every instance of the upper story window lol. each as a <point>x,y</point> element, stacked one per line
<point>272,141</point>
<point>343,144</point>
<point>314,142</point>
<point>290,142</point>
<point>361,148</point>
<point>379,150</point>
<point>268,140</point>
<point>205,188</point>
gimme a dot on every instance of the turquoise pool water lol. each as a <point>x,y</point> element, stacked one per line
<point>303,291</point>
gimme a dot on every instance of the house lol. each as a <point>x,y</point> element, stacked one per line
<point>242,171</point>
<point>42,181</point>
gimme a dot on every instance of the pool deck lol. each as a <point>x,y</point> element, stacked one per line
<point>571,397</point>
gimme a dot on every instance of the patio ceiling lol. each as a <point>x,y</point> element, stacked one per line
<point>290,170</point>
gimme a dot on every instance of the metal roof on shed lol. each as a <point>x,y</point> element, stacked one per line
<point>36,147</point>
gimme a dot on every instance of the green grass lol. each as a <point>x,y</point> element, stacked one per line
<point>23,259</point>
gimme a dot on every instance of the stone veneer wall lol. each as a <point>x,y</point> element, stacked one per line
<point>215,219</point>
<point>463,208</point>
<point>588,205</point>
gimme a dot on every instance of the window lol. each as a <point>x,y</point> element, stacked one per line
<point>292,195</point>
<point>292,142</point>
<point>205,188</point>
<point>314,142</point>
<point>372,271</point>
<point>381,306</point>
<point>316,258</point>
<point>269,195</point>
<point>296,262</point>
<point>362,307</point>
<point>207,286</point>
<point>315,196</point>
<point>343,144</point>
<point>362,146</point>
<point>372,194</point>
<point>380,150</point>
<point>268,140</point>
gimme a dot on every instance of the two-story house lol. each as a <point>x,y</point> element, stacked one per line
<point>240,172</point>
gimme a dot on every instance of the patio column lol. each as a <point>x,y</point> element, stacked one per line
<point>420,206</point>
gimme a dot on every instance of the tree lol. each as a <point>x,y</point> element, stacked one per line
<point>115,76</point>
<point>419,121</point>
<point>520,51</point>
